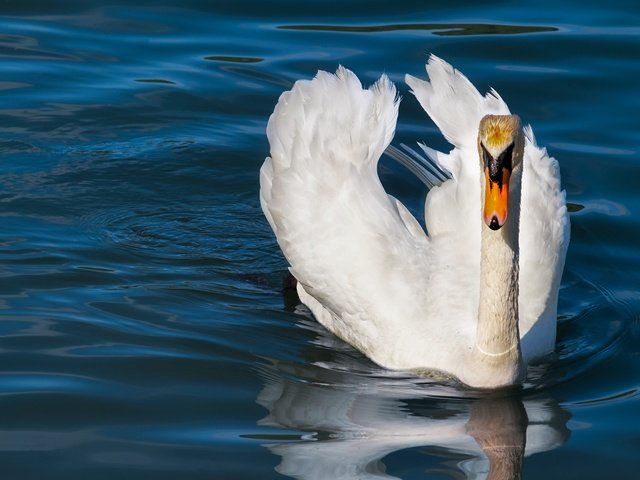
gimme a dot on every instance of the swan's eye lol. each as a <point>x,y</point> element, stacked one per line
<point>495,166</point>
<point>492,165</point>
<point>506,157</point>
<point>486,156</point>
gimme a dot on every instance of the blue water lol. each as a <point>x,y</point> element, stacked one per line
<point>144,332</point>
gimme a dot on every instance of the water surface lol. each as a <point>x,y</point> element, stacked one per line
<point>144,331</point>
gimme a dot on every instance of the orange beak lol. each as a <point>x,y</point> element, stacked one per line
<point>496,199</point>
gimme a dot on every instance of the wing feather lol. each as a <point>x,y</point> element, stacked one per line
<point>453,103</point>
<point>544,239</point>
<point>350,246</point>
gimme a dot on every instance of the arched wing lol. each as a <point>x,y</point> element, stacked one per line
<point>544,239</point>
<point>357,253</point>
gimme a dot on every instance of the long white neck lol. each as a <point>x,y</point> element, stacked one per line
<point>497,355</point>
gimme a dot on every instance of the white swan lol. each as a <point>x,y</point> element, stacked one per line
<point>476,298</point>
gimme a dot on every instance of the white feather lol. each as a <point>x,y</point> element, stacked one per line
<point>544,239</point>
<point>365,267</point>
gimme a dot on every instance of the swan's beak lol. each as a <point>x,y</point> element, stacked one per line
<point>496,192</point>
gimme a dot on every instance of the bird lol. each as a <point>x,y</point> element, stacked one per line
<point>473,296</point>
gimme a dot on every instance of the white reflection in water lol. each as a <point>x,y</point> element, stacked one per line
<point>355,420</point>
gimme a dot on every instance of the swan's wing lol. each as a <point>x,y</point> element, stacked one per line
<point>544,239</point>
<point>359,256</point>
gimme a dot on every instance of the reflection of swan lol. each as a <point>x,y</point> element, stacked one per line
<point>354,422</point>
<point>365,267</point>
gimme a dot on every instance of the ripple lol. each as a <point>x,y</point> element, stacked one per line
<point>25,47</point>
<point>443,29</point>
<point>20,383</point>
<point>233,59</point>
<point>574,207</point>
<point>159,231</point>
<point>628,394</point>
<point>160,81</point>
<point>593,149</point>
<point>16,146</point>
<point>14,85</point>
<point>602,206</point>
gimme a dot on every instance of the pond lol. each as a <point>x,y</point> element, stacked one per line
<point>144,331</point>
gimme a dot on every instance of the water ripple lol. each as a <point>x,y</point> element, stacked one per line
<point>443,29</point>
<point>22,383</point>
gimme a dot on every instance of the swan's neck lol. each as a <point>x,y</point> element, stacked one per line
<point>497,348</point>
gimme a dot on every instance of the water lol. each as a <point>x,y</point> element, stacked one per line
<point>144,333</point>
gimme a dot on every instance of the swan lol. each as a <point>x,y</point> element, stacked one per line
<point>475,296</point>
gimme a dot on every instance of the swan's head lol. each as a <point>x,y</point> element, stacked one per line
<point>501,145</point>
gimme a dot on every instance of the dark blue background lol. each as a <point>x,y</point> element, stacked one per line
<point>143,331</point>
